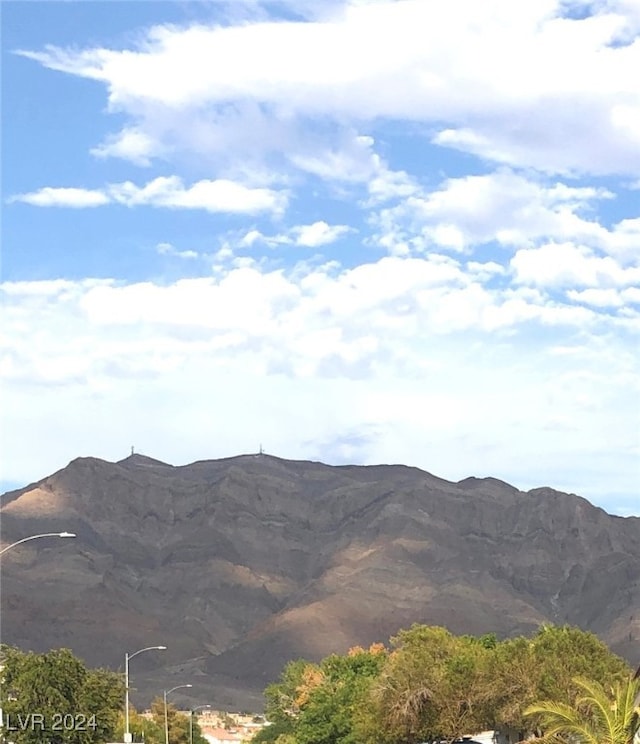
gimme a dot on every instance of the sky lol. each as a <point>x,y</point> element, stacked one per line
<point>353,231</point>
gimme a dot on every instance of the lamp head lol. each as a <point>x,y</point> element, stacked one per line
<point>67,534</point>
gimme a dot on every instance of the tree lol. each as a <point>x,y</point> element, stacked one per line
<point>544,667</point>
<point>599,715</point>
<point>142,728</point>
<point>53,697</point>
<point>283,699</point>
<point>515,673</point>
<point>564,653</point>
<point>178,724</point>
<point>336,694</point>
<point>102,691</point>
<point>321,703</point>
<point>434,686</point>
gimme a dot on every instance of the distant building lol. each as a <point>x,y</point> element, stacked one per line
<point>504,736</point>
<point>222,736</point>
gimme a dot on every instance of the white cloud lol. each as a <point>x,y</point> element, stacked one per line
<point>167,249</point>
<point>387,184</point>
<point>414,355</point>
<point>485,271</point>
<point>166,191</point>
<point>63,197</point>
<point>251,237</point>
<point>313,235</point>
<point>352,159</point>
<point>568,265</point>
<point>213,196</point>
<point>503,206</point>
<point>623,240</point>
<point>597,297</point>
<point>494,78</point>
<point>318,233</point>
<point>507,296</point>
<point>130,144</point>
<point>606,297</point>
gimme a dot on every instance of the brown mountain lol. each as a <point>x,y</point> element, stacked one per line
<point>238,565</point>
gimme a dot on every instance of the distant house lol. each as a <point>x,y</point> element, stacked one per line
<point>221,736</point>
<point>492,737</point>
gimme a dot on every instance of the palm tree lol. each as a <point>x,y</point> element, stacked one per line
<point>598,716</point>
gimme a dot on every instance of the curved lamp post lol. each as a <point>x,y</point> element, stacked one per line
<point>35,537</point>
<point>127,657</point>
<point>166,718</point>
<point>191,712</point>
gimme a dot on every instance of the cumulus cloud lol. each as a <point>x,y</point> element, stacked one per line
<point>503,206</point>
<point>170,192</point>
<point>213,196</point>
<point>313,235</point>
<point>63,197</point>
<point>467,70</point>
<point>409,360</point>
<point>623,240</point>
<point>506,292</point>
<point>166,249</point>
<point>129,144</point>
<point>606,297</point>
<point>318,233</point>
<point>568,265</point>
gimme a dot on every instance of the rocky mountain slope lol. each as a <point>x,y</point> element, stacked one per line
<point>238,565</point>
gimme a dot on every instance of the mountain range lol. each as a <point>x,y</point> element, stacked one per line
<point>241,564</point>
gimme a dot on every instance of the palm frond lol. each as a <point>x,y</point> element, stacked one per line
<point>598,716</point>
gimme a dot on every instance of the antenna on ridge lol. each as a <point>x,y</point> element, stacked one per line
<point>132,449</point>
<point>261,450</point>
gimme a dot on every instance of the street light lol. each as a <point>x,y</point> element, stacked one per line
<point>35,537</point>
<point>127,657</point>
<point>166,718</point>
<point>191,712</point>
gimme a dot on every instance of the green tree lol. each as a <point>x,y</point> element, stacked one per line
<point>515,674</point>
<point>331,711</point>
<point>178,724</point>
<point>274,733</point>
<point>598,716</point>
<point>150,728</point>
<point>102,691</point>
<point>53,697</point>
<point>321,703</point>
<point>434,686</point>
<point>283,700</point>
<point>544,667</point>
<point>142,728</point>
<point>285,739</point>
<point>565,652</point>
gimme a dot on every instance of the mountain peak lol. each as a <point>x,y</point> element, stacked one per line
<point>135,459</point>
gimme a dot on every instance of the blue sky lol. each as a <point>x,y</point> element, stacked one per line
<point>364,231</point>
